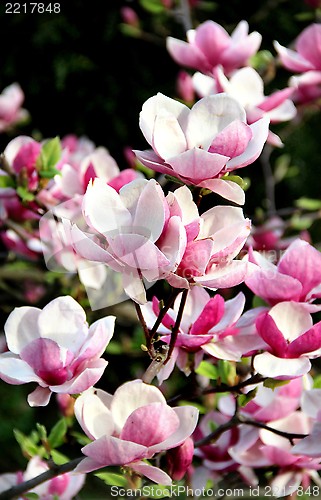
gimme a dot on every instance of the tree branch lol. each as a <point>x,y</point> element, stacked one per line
<point>54,471</point>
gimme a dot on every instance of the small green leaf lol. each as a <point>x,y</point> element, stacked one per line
<point>226,371</point>
<point>208,370</point>
<point>237,179</point>
<point>31,496</point>
<point>258,302</point>
<point>174,179</point>
<point>243,399</point>
<point>317,382</point>
<point>129,30</point>
<point>42,432</point>
<point>81,438</point>
<point>112,479</point>
<point>6,181</point>
<point>59,458</point>
<point>24,194</point>
<point>271,383</point>
<point>57,434</point>
<point>49,174</point>
<point>308,203</point>
<point>26,444</point>
<point>301,223</point>
<point>50,153</point>
<point>152,6</point>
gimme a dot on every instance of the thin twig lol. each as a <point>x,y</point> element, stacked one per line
<point>177,325</point>
<point>149,344</point>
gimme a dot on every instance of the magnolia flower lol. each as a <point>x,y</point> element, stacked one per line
<point>247,87</point>
<point>202,144</point>
<point>296,277</point>
<point>209,324</point>
<point>132,425</point>
<point>209,45</point>
<point>21,154</point>
<point>11,112</point>
<point>63,487</point>
<point>305,59</point>
<point>54,348</point>
<point>292,338</point>
<point>134,233</point>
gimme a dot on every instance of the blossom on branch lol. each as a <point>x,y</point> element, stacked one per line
<point>55,348</point>
<point>132,425</point>
<point>202,144</point>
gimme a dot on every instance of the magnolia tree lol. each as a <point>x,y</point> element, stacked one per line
<point>226,382</point>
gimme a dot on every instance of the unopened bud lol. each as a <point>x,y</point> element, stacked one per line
<point>179,459</point>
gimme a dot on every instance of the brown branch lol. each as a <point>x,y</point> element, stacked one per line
<point>54,471</point>
<point>177,325</point>
<point>163,311</point>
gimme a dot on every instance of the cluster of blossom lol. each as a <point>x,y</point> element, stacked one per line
<point>122,221</point>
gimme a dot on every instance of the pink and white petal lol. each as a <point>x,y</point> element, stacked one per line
<point>260,130</point>
<point>150,424</point>
<point>292,60</point>
<point>14,370</point>
<point>231,274</point>
<point>188,417</point>
<point>281,368</point>
<point>195,303</point>
<point>196,258</point>
<point>187,209</point>
<point>273,286</point>
<point>233,140</point>
<point>226,349</point>
<point>132,395</point>
<point>100,199</point>
<point>21,327</point>
<point>153,473</point>
<point>168,137</point>
<point>285,112</point>
<point>286,483</point>
<point>307,342</point>
<point>276,99</point>
<point>99,336</point>
<point>87,248</point>
<point>311,402</point>
<point>134,287</point>
<point>227,189</point>
<point>153,161</point>
<point>87,465</point>
<point>92,372</point>
<point>173,243</point>
<point>303,262</point>
<point>245,85</point>
<point>238,53</point>
<point>186,54</point>
<point>301,320</point>
<point>209,116</point>
<point>271,334</point>
<point>233,309</point>
<point>177,281</point>
<point>196,165</point>
<point>159,104</point>
<point>39,397</point>
<point>47,359</point>
<point>150,211</point>
<point>93,413</point>
<point>189,341</point>
<point>109,450</point>
<point>167,369</point>
<point>124,177</point>
<point>63,320</point>
<point>91,274</point>
<point>220,218</point>
<point>209,317</point>
<point>310,445</point>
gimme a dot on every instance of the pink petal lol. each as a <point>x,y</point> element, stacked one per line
<point>273,286</point>
<point>291,60</point>
<point>270,333</point>
<point>153,473</point>
<point>211,39</point>
<point>231,274</point>
<point>209,317</point>
<point>310,446</point>
<point>188,417</point>
<point>260,130</point>
<point>189,341</point>
<point>99,336</point>
<point>93,413</point>
<point>233,140</point>
<point>227,189</point>
<point>196,165</point>
<point>150,424</point>
<point>195,258</point>
<point>149,217</point>
<point>168,137</point>
<point>309,44</point>
<point>186,54</point>
<point>39,397</point>
<point>307,342</point>
<point>238,53</point>
<point>109,450</point>
<point>87,248</point>
<point>89,376</point>
<point>14,370</point>
<point>125,177</point>
<point>276,99</point>
<point>153,161</point>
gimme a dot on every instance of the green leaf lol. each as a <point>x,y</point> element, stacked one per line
<point>208,370</point>
<point>112,479</point>
<point>308,203</point>
<point>301,223</point>
<point>24,194</point>
<point>272,383</point>
<point>6,181</point>
<point>31,496</point>
<point>258,302</point>
<point>57,434</point>
<point>317,382</point>
<point>49,174</point>
<point>200,407</point>
<point>59,458</point>
<point>81,438</point>
<point>129,30</point>
<point>243,399</point>
<point>27,446</point>
<point>50,154</point>
<point>152,6</point>
<point>174,179</point>
<point>237,179</point>
<point>226,371</point>
<point>42,432</point>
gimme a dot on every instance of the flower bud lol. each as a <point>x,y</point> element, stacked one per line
<point>179,459</point>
